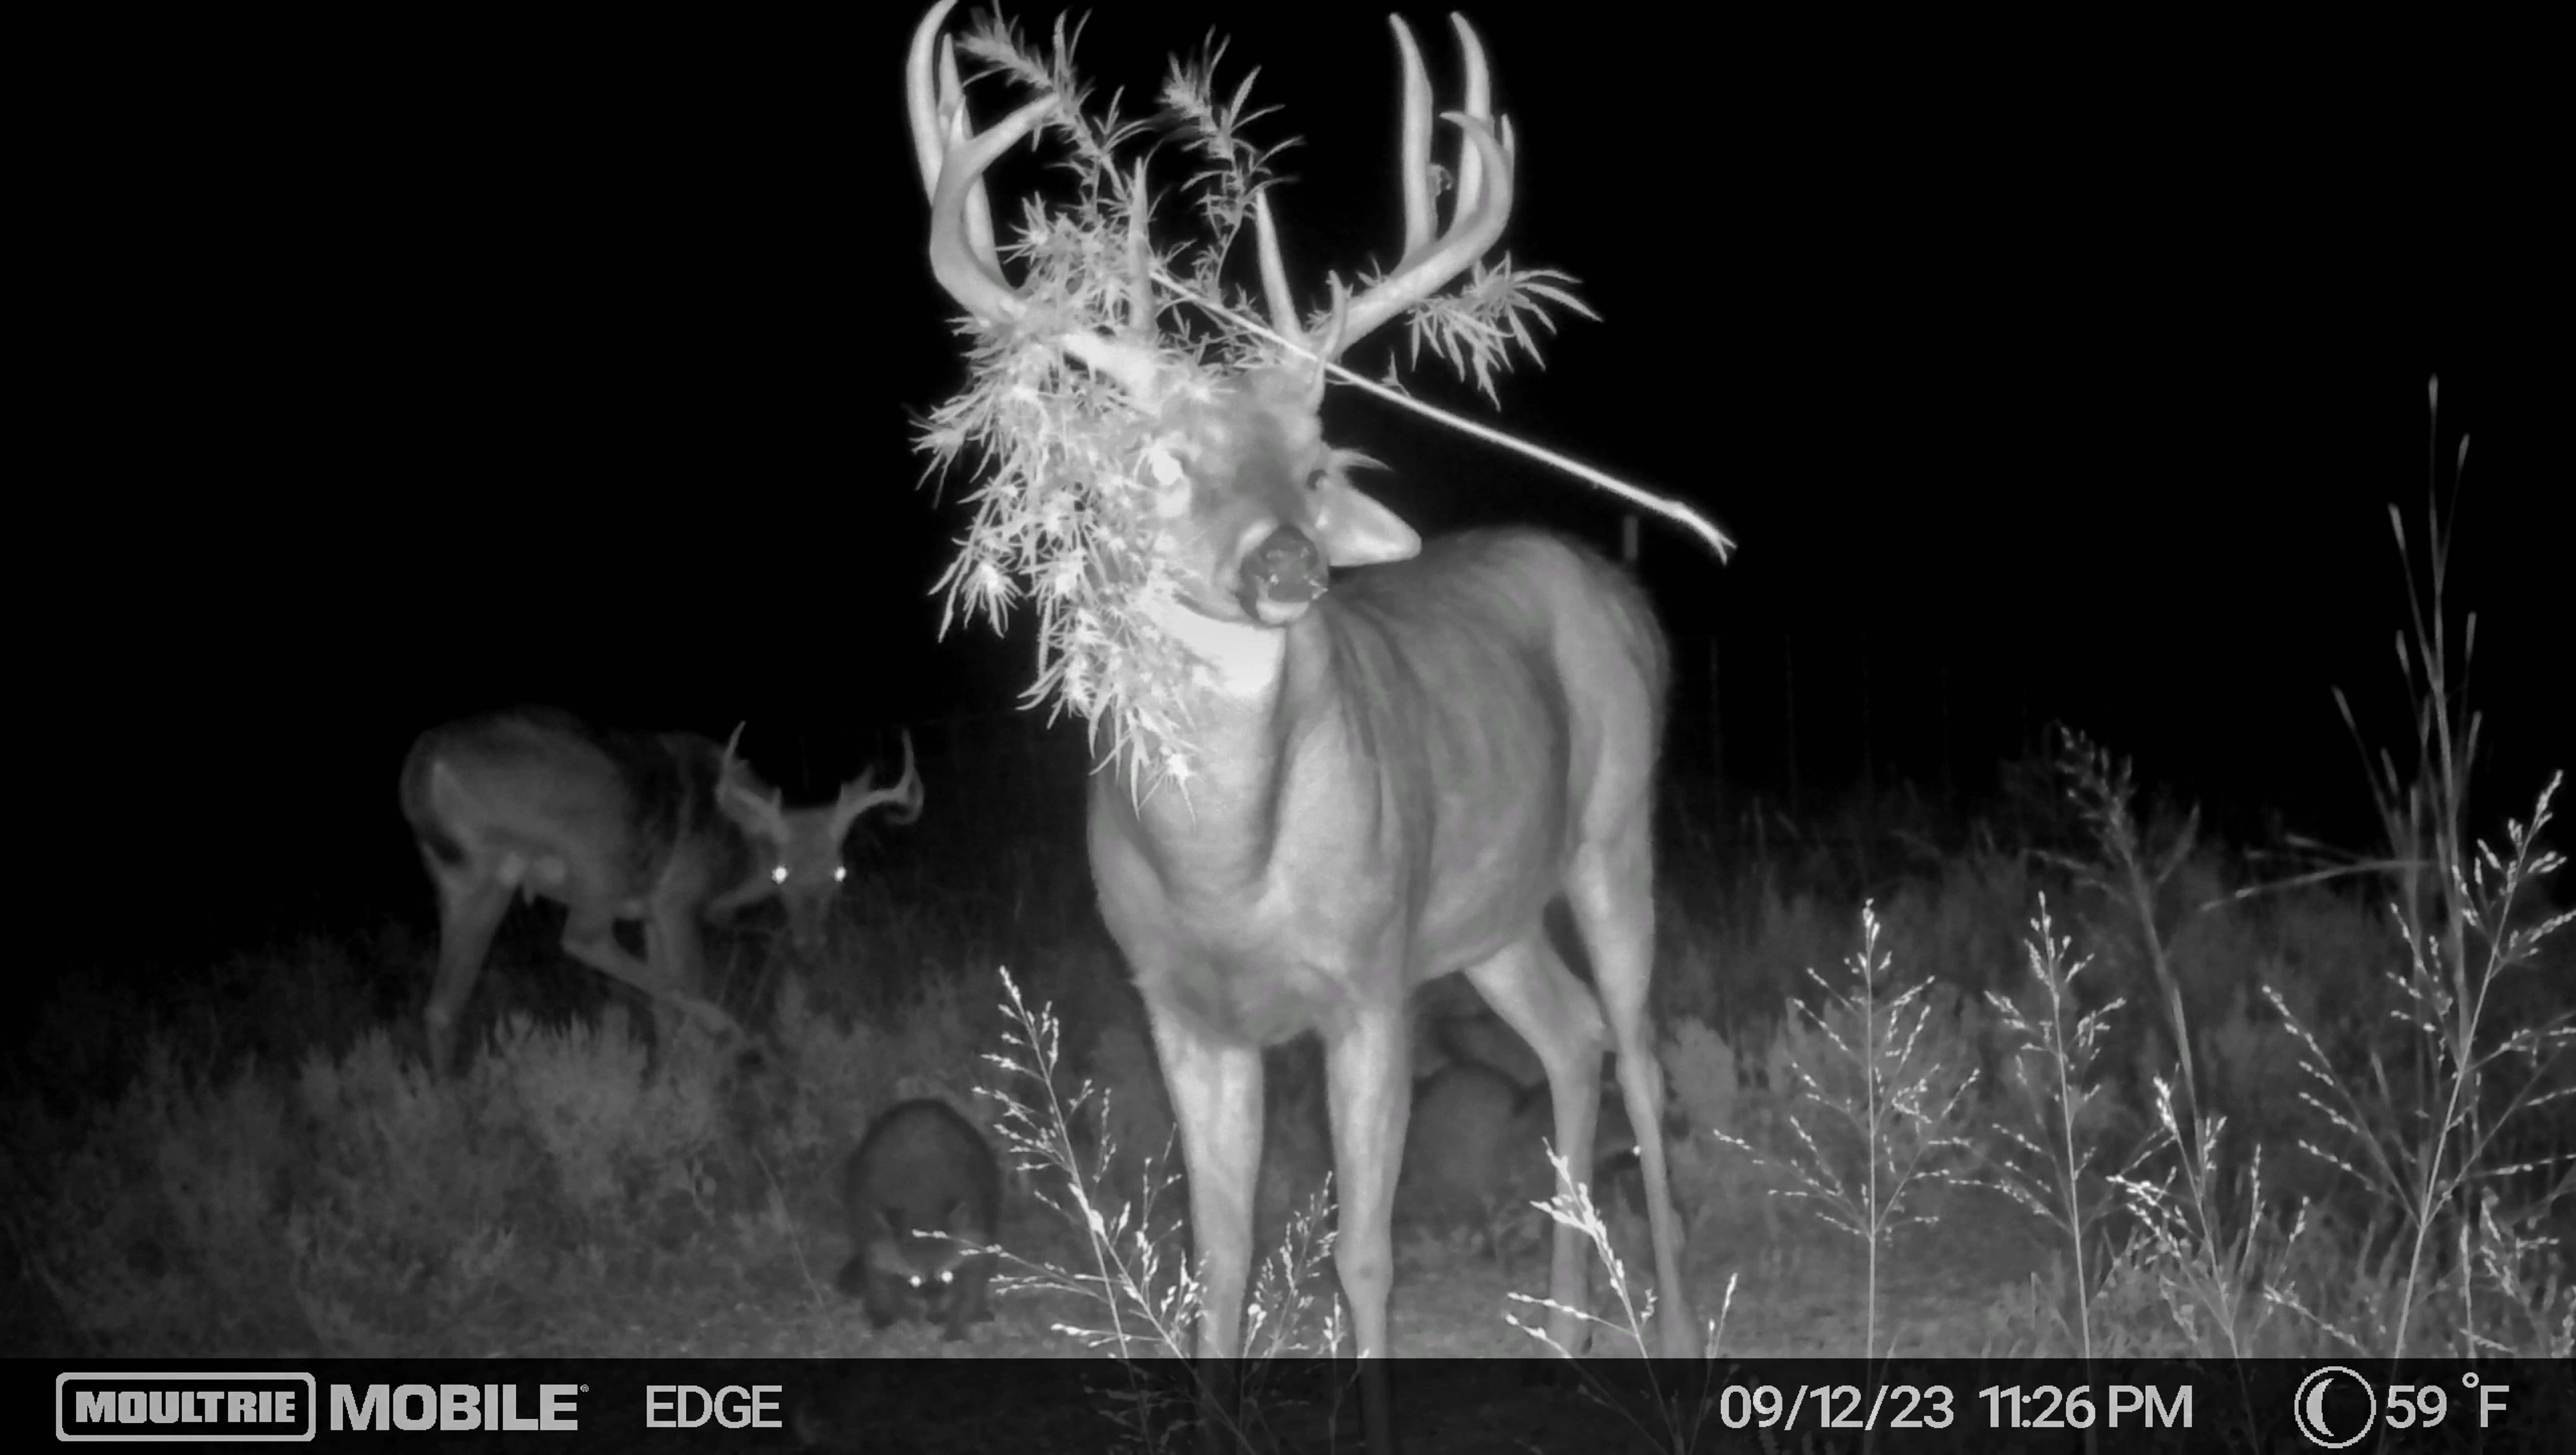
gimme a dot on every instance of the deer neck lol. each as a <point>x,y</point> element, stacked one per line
<point>1245,726</point>
<point>1237,667</point>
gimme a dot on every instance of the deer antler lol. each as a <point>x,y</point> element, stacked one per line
<point>733,775</point>
<point>737,782</point>
<point>1476,219</point>
<point>903,799</point>
<point>952,159</point>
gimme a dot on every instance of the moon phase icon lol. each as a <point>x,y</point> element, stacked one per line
<point>2310,1410</point>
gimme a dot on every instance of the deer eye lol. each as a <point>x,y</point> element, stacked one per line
<point>778,875</point>
<point>1316,477</point>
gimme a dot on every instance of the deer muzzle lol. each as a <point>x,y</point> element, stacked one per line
<point>1283,576</point>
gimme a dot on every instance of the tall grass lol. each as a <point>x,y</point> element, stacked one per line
<point>2051,1128</point>
<point>2428,1142</point>
<point>1144,1289</point>
<point>2421,1135</point>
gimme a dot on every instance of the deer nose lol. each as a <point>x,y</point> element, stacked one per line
<point>805,925</point>
<point>1283,574</point>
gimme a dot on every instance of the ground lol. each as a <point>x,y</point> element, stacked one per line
<point>1799,1293</point>
<point>1796,1294</point>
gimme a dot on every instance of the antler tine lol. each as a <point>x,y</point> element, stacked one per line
<point>1471,162</point>
<point>979,208</point>
<point>731,768</point>
<point>1274,274</point>
<point>930,133</point>
<point>1413,152</point>
<point>1283,307</point>
<point>909,787</point>
<point>736,781</point>
<point>952,159</point>
<point>1484,201</point>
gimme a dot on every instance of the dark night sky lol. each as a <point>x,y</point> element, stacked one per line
<point>407,373</point>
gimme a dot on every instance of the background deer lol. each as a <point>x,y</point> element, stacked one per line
<point>1393,772</point>
<point>668,829</point>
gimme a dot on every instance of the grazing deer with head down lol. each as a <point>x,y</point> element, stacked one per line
<point>1394,771</point>
<point>668,829</point>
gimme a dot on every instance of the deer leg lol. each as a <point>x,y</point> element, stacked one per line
<point>590,936</point>
<point>1612,893</point>
<point>470,908</point>
<point>1530,988</point>
<point>666,960</point>
<point>1371,1099</point>
<point>676,957</point>
<point>1215,1087</point>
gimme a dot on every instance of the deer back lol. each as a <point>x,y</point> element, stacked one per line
<point>625,813</point>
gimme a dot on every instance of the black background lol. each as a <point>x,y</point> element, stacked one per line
<point>385,369</point>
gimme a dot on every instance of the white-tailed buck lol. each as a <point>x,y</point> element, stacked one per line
<point>1393,777</point>
<point>669,829</point>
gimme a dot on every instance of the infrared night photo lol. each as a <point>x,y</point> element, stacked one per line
<point>1253,691</point>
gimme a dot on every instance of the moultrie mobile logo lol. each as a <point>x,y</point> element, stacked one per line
<point>142,1408</point>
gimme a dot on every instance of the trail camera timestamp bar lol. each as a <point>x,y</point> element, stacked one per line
<point>1940,1407</point>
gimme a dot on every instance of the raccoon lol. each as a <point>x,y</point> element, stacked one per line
<point>1474,1153</point>
<point>921,1166</point>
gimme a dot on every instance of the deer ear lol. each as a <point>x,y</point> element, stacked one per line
<point>1357,531</point>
